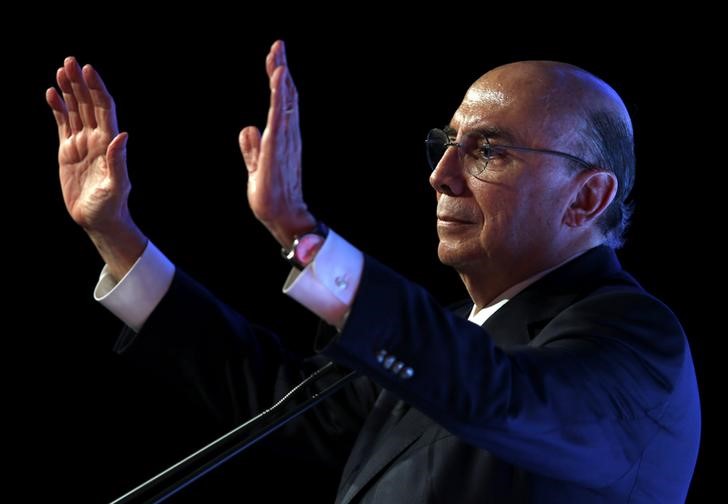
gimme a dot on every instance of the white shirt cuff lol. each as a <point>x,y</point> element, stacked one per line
<point>136,295</point>
<point>328,285</point>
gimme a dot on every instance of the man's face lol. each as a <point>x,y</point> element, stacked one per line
<point>509,218</point>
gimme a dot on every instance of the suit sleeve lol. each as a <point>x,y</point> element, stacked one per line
<point>581,403</point>
<point>233,369</point>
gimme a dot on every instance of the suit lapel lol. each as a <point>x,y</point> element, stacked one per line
<point>393,441</point>
<point>520,320</point>
<point>371,433</point>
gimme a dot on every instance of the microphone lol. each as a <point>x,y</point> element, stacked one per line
<point>186,471</point>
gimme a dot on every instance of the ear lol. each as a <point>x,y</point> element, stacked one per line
<point>593,194</point>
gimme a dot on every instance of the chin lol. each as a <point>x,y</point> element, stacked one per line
<point>455,257</point>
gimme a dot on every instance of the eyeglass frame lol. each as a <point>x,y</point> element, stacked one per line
<point>496,147</point>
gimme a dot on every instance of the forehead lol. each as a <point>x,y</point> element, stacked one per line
<point>487,110</point>
<point>523,113</point>
<point>479,102</point>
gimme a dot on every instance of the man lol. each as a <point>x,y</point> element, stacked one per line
<point>568,383</point>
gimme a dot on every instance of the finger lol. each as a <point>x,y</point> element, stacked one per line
<point>59,112</point>
<point>287,101</point>
<point>282,128</point>
<point>81,92</point>
<point>103,103</point>
<point>116,156</point>
<point>275,110</point>
<point>74,119</point>
<point>290,112</point>
<point>270,64</point>
<point>250,147</point>
<point>289,95</point>
<point>282,53</point>
<point>274,58</point>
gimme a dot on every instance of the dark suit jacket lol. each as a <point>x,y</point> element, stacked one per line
<point>579,389</point>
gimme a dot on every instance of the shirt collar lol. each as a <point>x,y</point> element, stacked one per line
<point>486,312</point>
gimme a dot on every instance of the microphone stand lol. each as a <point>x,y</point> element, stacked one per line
<point>178,476</point>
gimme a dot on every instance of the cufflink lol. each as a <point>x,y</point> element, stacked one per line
<point>341,282</point>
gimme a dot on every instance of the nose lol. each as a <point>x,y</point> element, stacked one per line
<point>448,177</point>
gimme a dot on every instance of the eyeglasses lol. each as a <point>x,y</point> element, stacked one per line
<point>477,151</point>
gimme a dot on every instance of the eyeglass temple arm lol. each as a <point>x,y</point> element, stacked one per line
<point>547,151</point>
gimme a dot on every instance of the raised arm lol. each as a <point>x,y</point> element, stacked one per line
<point>273,159</point>
<point>92,165</point>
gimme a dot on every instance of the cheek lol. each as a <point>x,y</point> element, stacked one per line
<point>525,208</point>
<point>541,211</point>
<point>498,221</point>
<point>514,216</point>
<point>496,202</point>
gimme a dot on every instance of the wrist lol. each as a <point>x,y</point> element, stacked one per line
<point>285,234</point>
<point>304,248</point>
<point>119,248</point>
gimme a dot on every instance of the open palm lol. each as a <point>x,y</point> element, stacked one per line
<point>91,154</point>
<point>273,159</point>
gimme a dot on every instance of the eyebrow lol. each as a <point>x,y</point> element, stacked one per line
<point>489,132</point>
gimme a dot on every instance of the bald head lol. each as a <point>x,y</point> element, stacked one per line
<point>557,96</point>
<point>568,109</point>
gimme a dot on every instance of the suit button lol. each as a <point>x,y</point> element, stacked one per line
<point>381,355</point>
<point>389,361</point>
<point>397,367</point>
<point>407,373</point>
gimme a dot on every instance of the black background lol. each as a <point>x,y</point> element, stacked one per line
<point>89,426</point>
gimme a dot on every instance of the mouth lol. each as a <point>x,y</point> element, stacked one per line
<point>449,219</point>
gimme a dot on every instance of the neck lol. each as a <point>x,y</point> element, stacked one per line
<point>487,283</point>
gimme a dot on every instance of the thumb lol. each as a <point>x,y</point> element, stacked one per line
<point>116,156</point>
<point>249,140</point>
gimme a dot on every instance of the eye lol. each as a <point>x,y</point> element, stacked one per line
<point>492,152</point>
<point>488,151</point>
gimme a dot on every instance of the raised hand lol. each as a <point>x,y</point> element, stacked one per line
<point>92,164</point>
<point>273,160</point>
